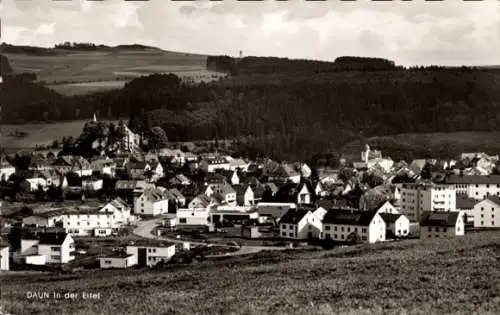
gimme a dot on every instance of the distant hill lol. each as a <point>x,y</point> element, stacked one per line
<point>61,48</point>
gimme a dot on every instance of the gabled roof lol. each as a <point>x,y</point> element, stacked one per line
<point>237,162</point>
<point>349,217</point>
<point>154,194</point>
<point>473,179</point>
<point>390,217</point>
<point>447,219</point>
<point>176,193</point>
<point>203,199</point>
<point>118,203</point>
<point>284,170</point>
<point>223,189</point>
<point>333,203</point>
<point>116,255</point>
<point>271,186</point>
<point>241,189</point>
<point>464,202</point>
<point>137,165</point>
<point>275,211</point>
<point>494,199</point>
<point>126,184</point>
<point>52,238</point>
<point>293,216</point>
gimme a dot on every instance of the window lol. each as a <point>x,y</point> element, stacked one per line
<point>445,229</point>
<point>487,185</point>
<point>482,215</point>
<point>429,236</point>
<point>182,220</point>
<point>348,229</point>
<point>149,250</point>
<point>492,209</point>
<point>154,250</point>
<point>430,229</point>
<point>482,209</point>
<point>290,234</point>
<point>327,228</point>
<point>363,230</point>
<point>437,229</point>
<point>283,234</point>
<point>355,229</point>
<point>291,227</point>
<point>342,229</point>
<point>342,236</point>
<point>335,236</point>
<point>55,249</point>
<point>482,223</point>
<point>283,226</point>
<point>335,228</point>
<point>54,257</point>
<point>102,231</point>
<point>107,262</point>
<point>363,238</point>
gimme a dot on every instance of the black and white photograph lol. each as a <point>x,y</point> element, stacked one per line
<point>249,157</point>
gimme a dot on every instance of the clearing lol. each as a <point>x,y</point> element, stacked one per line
<point>458,275</point>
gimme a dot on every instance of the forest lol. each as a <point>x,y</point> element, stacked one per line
<point>282,115</point>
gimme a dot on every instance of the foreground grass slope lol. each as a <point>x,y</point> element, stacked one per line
<point>427,145</point>
<point>430,277</point>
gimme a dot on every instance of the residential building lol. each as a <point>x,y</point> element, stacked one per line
<point>299,224</point>
<point>130,141</point>
<point>92,183</point>
<point>225,193</point>
<point>103,166</point>
<point>137,170</point>
<point>465,205</point>
<point>180,180</point>
<point>89,222</point>
<point>486,213</point>
<point>47,248</point>
<point>284,173</point>
<point>231,177</point>
<point>244,195</point>
<point>152,201</point>
<point>177,196</point>
<point>441,224</point>
<point>319,190</point>
<point>386,207</point>
<point>72,164</point>
<point>151,253</point>
<point>122,214</point>
<point>297,193</point>
<point>273,211</point>
<point>45,219</point>
<point>397,225</point>
<point>475,186</point>
<point>210,164</point>
<point>118,260</point>
<point>341,225</point>
<point>193,216</point>
<point>238,164</point>
<point>4,256</point>
<point>417,198</point>
<point>34,184</point>
<point>6,170</point>
<point>156,171</point>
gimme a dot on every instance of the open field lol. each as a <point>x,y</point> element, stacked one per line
<point>105,70</point>
<point>39,134</point>
<point>452,142</point>
<point>459,276</point>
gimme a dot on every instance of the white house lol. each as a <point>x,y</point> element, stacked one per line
<point>104,166</point>
<point>6,170</point>
<point>209,165</point>
<point>177,196</point>
<point>35,184</point>
<point>45,219</point>
<point>151,202</point>
<point>122,213</point>
<point>441,225</point>
<point>225,193</point>
<point>235,164</point>
<point>193,216</point>
<point>92,183</point>
<point>387,207</point>
<point>299,224</point>
<point>92,222</point>
<point>150,254</point>
<point>340,225</point>
<point>47,248</point>
<point>486,213</point>
<point>319,190</point>
<point>118,260</point>
<point>475,186</point>
<point>157,171</point>
<point>137,170</point>
<point>244,195</point>
<point>130,140</point>
<point>4,256</point>
<point>417,198</point>
<point>304,195</point>
<point>202,201</point>
<point>397,224</point>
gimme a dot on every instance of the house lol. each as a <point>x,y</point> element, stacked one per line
<point>299,224</point>
<point>175,156</point>
<point>40,164</point>
<point>118,260</point>
<point>122,214</point>
<point>180,180</point>
<point>202,201</point>
<point>386,207</point>
<point>178,197</point>
<point>486,213</point>
<point>475,186</point>
<point>103,166</point>
<point>284,173</point>
<point>244,195</point>
<point>419,197</point>
<point>72,164</point>
<point>397,225</point>
<point>45,219</point>
<point>209,165</point>
<point>417,165</point>
<point>88,222</point>
<point>319,190</point>
<point>225,193</point>
<point>130,141</point>
<point>329,176</point>
<point>441,224</point>
<point>231,177</point>
<point>54,178</point>
<point>47,248</point>
<point>193,216</point>
<point>156,171</point>
<point>297,193</point>
<point>215,178</point>
<point>92,183</point>
<point>273,211</point>
<point>238,164</point>
<point>34,183</point>
<point>138,170</point>
<point>132,187</point>
<point>151,202</point>
<point>465,205</point>
<point>6,170</point>
<point>341,225</point>
<point>4,256</point>
<point>150,253</point>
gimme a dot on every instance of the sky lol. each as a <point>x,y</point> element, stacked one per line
<point>450,32</point>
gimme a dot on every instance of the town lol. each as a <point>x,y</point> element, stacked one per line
<point>124,207</point>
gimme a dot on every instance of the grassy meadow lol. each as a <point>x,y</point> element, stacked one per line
<point>78,72</point>
<point>455,276</point>
<point>39,134</point>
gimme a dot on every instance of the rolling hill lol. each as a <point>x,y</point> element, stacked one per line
<point>438,276</point>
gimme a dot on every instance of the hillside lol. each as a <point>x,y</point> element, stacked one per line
<point>409,277</point>
<point>410,146</point>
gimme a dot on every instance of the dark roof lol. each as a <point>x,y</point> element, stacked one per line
<point>117,255</point>
<point>472,179</point>
<point>464,202</point>
<point>52,238</point>
<point>495,199</point>
<point>349,217</point>
<point>293,216</point>
<point>390,217</point>
<point>439,218</point>
<point>275,211</point>
<point>333,203</point>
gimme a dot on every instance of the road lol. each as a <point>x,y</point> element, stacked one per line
<point>145,228</point>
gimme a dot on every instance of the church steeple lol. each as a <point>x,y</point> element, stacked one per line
<point>95,118</point>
